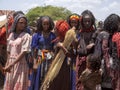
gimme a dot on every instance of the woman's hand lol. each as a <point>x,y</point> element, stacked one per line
<point>90,46</point>
<point>60,45</point>
<point>7,68</point>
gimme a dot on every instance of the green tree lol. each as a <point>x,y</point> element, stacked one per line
<point>56,13</point>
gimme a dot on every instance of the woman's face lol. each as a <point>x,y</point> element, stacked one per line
<point>21,24</point>
<point>45,24</point>
<point>87,21</point>
<point>73,23</point>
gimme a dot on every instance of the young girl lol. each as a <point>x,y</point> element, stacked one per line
<point>42,47</point>
<point>91,76</point>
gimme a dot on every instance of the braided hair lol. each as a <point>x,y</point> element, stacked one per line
<point>39,23</point>
<point>88,12</point>
<point>111,23</point>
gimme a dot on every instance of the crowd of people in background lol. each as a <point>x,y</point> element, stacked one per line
<point>92,62</point>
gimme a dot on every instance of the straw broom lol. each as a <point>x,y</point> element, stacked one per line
<point>58,61</point>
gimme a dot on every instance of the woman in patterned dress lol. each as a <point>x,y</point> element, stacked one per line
<point>18,45</point>
<point>111,75</point>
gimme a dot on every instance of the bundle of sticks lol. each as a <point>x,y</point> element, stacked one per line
<point>58,61</point>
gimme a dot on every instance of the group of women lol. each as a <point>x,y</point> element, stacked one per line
<point>95,49</point>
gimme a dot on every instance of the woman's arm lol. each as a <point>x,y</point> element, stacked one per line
<point>60,45</point>
<point>20,56</point>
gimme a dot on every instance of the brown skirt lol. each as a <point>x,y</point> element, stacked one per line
<point>62,81</point>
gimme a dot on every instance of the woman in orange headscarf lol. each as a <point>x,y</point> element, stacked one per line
<point>74,21</point>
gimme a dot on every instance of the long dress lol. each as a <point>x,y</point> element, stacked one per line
<point>40,43</point>
<point>17,79</point>
<point>62,81</point>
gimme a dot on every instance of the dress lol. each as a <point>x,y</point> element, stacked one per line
<point>62,81</point>
<point>40,43</point>
<point>17,79</point>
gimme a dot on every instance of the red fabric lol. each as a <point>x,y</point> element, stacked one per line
<point>61,28</point>
<point>87,30</point>
<point>3,32</point>
<point>3,35</point>
<point>116,39</point>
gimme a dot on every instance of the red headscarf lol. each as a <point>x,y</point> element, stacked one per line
<point>116,39</point>
<point>61,28</point>
<point>87,30</point>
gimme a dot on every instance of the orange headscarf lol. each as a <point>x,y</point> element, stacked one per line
<point>76,17</point>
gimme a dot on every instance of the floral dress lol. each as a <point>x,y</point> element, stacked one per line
<point>17,79</point>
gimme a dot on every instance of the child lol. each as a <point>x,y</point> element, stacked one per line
<point>91,76</point>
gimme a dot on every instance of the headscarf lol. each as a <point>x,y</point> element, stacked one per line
<point>16,19</point>
<point>61,28</point>
<point>76,17</point>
